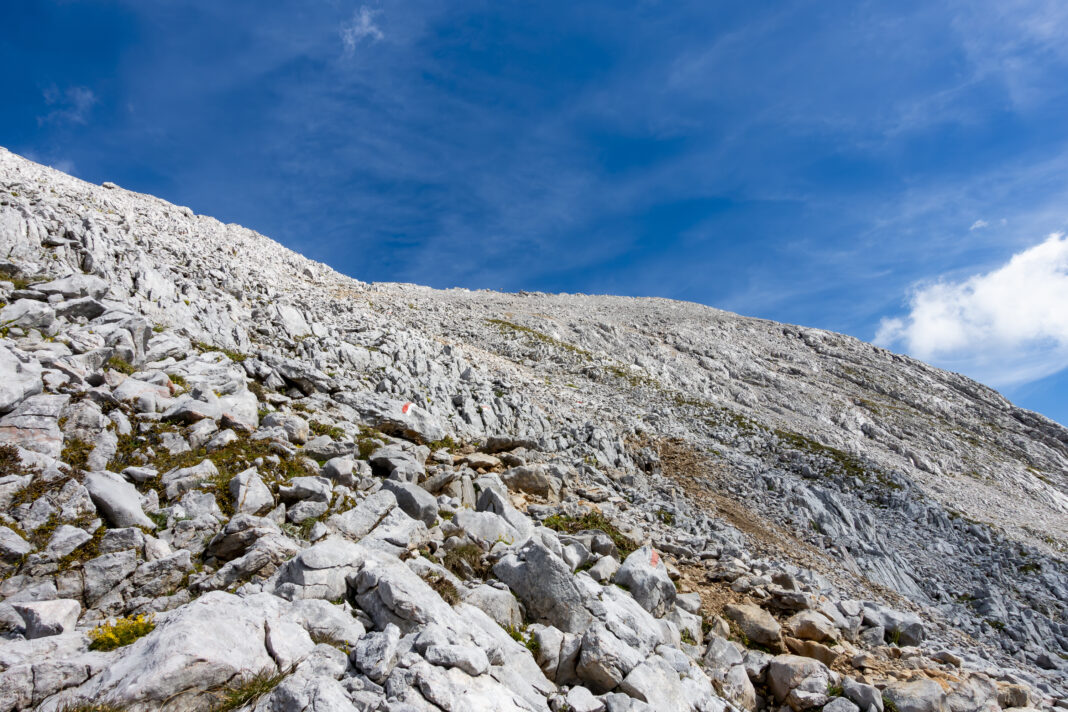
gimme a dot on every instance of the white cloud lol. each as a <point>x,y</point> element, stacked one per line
<point>362,26</point>
<point>1005,327</point>
<point>979,225</point>
<point>70,106</point>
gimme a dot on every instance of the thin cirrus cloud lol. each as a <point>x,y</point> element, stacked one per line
<point>361,27</point>
<point>71,106</point>
<point>1008,326</point>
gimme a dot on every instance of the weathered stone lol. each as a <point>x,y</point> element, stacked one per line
<point>44,618</point>
<point>604,659</point>
<point>757,624</point>
<point>75,286</point>
<point>811,625</point>
<point>468,658</point>
<point>787,672</point>
<point>20,377</point>
<point>375,654</point>
<point>917,696</point>
<point>316,489</point>
<point>545,586</point>
<point>533,479</point>
<point>12,546</point>
<point>644,574</point>
<point>249,494</point>
<point>416,502</point>
<point>118,500</point>
<point>27,313</point>
<point>33,425</point>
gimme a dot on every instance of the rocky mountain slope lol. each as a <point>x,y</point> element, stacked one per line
<point>232,478</point>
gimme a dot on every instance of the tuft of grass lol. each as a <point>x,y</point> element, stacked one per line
<point>11,463</point>
<point>84,552</point>
<point>687,637</point>
<point>247,691</point>
<point>591,520</point>
<point>889,705</point>
<point>235,356</point>
<point>522,635</point>
<point>834,690</point>
<point>90,707</point>
<point>118,363</point>
<point>444,588</point>
<point>666,517</point>
<point>333,431</point>
<point>258,390</point>
<point>446,443</point>
<point>304,530</point>
<point>76,453</point>
<point>122,632</point>
<point>368,441</point>
<point>464,560</point>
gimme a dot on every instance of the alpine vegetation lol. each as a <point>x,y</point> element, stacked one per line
<point>234,479</point>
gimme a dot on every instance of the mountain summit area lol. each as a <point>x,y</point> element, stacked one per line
<point>232,478</point>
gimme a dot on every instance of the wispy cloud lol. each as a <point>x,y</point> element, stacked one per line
<point>979,225</point>
<point>70,106</point>
<point>1015,43</point>
<point>1007,326</point>
<point>361,27</point>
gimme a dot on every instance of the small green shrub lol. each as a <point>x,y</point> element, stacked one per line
<point>11,462</point>
<point>122,632</point>
<point>522,635</point>
<point>444,588</point>
<point>446,443</point>
<point>258,390</point>
<point>118,363</point>
<point>333,431</point>
<point>247,691</point>
<point>464,560</point>
<point>76,453</point>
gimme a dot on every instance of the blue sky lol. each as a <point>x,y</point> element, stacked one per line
<point>870,168</point>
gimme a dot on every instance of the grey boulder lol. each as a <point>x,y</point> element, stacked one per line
<point>644,574</point>
<point>117,499</point>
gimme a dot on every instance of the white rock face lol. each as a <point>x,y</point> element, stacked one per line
<point>44,618</point>
<point>20,378</point>
<point>389,498</point>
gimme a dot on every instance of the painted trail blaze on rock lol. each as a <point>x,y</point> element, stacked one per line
<point>405,407</point>
<point>654,558</point>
